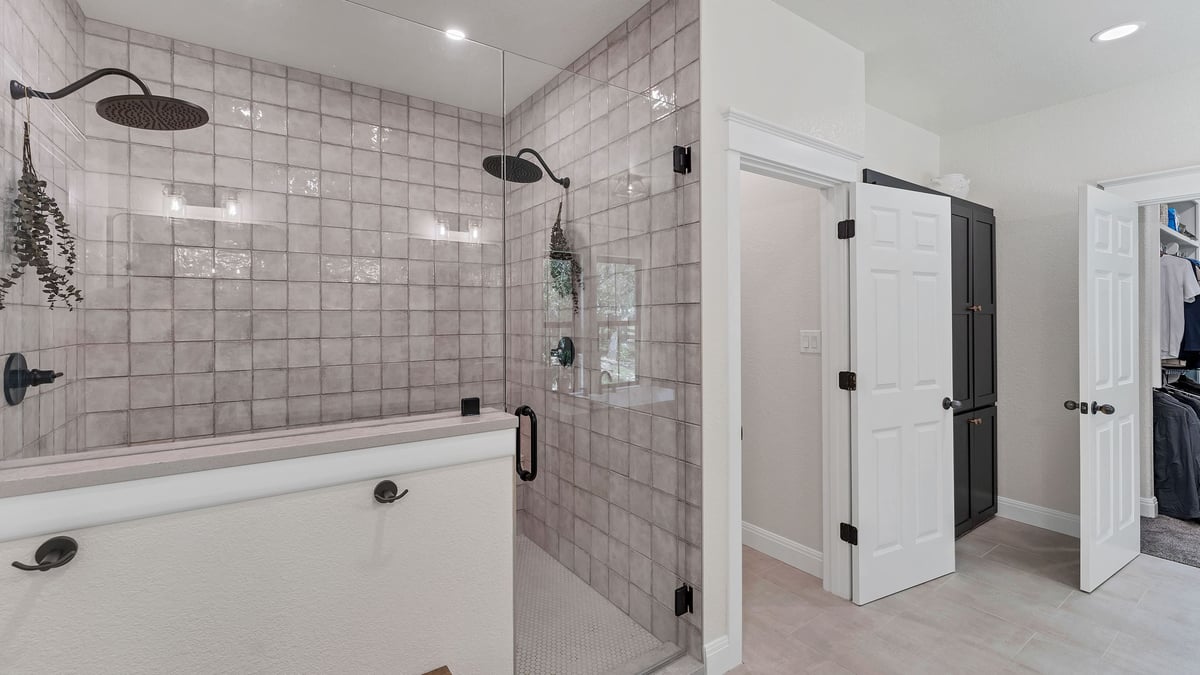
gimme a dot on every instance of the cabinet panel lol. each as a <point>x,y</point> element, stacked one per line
<point>983,465</point>
<point>962,475</point>
<point>983,359</point>
<point>983,260</point>
<point>960,247</point>
<point>962,359</point>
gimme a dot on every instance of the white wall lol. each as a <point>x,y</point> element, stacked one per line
<point>1029,168</point>
<point>319,581</point>
<point>760,58</point>
<point>781,386</point>
<point>900,148</point>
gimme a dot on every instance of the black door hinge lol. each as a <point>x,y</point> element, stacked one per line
<point>849,534</point>
<point>846,229</point>
<point>683,600</point>
<point>683,159</point>
<point>847,380</point>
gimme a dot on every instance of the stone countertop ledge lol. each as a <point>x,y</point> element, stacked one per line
<point>126,463</point>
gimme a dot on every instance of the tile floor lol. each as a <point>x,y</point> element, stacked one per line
<point>1013,606</point>
<point>565,627</point>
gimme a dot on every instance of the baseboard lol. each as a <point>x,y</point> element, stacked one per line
<point>1038,516</point>
<point>783,549</point>
<point>719,657</point>
<point>1149,507</point>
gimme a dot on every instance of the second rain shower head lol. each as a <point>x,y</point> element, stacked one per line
<point>517,169</point>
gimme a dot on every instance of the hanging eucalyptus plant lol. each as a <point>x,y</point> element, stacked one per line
<point>565,271</point>
<point>40,230</point>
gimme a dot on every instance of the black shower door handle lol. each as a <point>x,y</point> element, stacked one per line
<point>532,472</point>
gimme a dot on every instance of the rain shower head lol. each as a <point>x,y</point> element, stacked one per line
<point>147,111</point>
<point>140,111</point>
<point>516,169</point>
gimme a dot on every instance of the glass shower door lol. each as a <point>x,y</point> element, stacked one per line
<point>602,336</point>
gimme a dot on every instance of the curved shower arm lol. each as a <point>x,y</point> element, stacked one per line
<point>565,182</point>
<point>18,90</point>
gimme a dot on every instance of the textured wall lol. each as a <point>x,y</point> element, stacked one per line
<point>900,148</point>
<point>618,497</point>
<point>336,294</point>
<point>781,296</point>
<point>42,45</point>
<point>320,581</point>
<point>1030,169</point>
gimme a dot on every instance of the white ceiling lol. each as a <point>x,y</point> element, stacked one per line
<point>950,64</point>
<point>371,45</point>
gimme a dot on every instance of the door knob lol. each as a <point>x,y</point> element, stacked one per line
<point>949,403</point>
<point>1105,408</point>
<point>1070,405</point>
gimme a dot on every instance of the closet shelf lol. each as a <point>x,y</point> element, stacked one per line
<point>1167,234</point>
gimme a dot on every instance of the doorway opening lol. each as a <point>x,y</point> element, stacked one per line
<point>1173,533</point>
<point>782,513</point>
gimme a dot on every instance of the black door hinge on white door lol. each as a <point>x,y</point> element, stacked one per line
<point>847,380</point>
<point>849,534</point>
<point>683,600</point>
<point>846,229</point>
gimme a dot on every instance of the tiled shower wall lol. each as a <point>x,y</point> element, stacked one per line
<point>41,43</point>
<point>361,277</point>
<point>617,499</point>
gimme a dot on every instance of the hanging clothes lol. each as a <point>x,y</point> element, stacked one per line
<point>1189,349</point>
<point>1179,287</point>
<point>1176,447</point>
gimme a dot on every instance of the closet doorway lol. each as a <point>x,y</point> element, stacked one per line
<point>781,371</point>
<point>1140,428</point>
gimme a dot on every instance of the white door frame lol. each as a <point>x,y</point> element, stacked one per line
<point>764,148</point>
<point>1175,185</point>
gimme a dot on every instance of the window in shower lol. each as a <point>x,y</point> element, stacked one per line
<point>617,300</point>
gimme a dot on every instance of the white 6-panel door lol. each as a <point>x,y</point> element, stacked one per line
<point>1109,519</point>
<point>902,454</point>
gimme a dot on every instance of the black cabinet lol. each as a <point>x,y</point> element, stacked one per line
<point>973,270</point>
<point>974,468</point>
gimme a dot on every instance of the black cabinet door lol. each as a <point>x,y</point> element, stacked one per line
<point>983,298</point>
<point>963,516</point>
<point>961,216</point>
<point>982,425</point>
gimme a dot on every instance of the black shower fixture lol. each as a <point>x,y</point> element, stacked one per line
<point>140,111</point>
<point>519,170</point>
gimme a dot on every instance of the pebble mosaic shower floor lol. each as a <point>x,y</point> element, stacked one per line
<point>564,627</point>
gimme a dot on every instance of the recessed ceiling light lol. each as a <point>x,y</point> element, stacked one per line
<point>1117,32</point>
<point>455,34</point>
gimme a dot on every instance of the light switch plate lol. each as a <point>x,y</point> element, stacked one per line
<point>810,341</point>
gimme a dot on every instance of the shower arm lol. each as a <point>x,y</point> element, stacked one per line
<point>18,90</point>
<point>565,182</point>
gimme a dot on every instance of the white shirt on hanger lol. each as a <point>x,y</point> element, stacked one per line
<point>1179,286</point>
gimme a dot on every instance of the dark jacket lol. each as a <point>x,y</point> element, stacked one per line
<point>1176,448</point>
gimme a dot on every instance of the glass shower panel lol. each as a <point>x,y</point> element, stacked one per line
<point>326,248</point>
<point>598,277</point>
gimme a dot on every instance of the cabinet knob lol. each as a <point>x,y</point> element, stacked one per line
<point>975,308</point>
<point>975,420</point>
